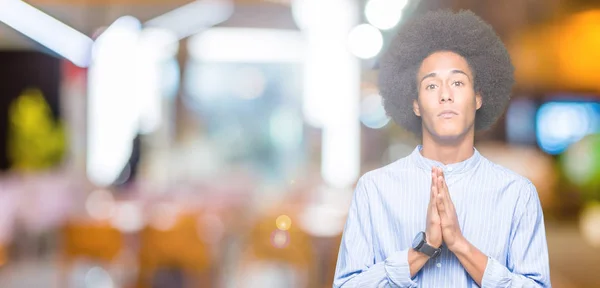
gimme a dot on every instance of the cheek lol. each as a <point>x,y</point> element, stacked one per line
<point>466,99</point>
<point>470,104</point>
<point>425,106</point>
<point>471,109</point>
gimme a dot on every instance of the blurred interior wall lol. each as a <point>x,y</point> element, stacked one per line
<point>21,70</point>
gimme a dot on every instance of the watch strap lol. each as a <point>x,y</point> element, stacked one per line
<point>429,250</point>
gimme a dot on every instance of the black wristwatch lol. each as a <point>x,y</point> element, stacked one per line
<point>420,244</point>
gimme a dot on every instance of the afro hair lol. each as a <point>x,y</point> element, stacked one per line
<point>463,33</point>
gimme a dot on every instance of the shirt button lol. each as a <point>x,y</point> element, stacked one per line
<point>438,265</point>
<point>449,169</point>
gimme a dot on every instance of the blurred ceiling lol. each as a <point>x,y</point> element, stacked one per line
<point>90,15</point>
<point>543,36</point>
<point>87,16</point>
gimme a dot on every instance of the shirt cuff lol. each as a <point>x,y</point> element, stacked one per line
<point>495,275</point>
<point>398,270</point>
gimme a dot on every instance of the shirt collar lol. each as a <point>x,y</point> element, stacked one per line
<point>454,168</point>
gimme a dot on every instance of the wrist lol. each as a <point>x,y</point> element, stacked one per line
<point>420,255</point>
<point>422,244</point>
<point>460,246</point>
<point>435,244</point>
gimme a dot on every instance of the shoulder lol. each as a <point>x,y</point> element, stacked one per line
<point>520,186</point>
<point>387,173</point>
<point>376,181</point>
<point>501,172</point>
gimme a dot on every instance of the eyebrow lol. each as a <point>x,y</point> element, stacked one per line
<point>433,74</point>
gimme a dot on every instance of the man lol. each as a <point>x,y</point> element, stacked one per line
<point>444,216</point>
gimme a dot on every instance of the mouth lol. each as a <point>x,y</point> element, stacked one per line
<point>447,114</point>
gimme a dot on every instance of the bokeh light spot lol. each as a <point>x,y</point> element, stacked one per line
<point>283,222</point>
<point>280,239</point>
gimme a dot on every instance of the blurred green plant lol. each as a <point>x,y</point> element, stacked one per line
<point>581,166</point>
<point>35,140</point>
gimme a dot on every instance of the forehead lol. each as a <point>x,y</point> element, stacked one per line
<point>444,62</point>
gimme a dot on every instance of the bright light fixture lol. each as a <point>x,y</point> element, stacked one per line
<point>46,30</point>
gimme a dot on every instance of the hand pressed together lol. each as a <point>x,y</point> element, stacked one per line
<point>433,231</point>
<point>446,212</point>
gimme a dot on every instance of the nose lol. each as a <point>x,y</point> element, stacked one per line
<point>446,95</point>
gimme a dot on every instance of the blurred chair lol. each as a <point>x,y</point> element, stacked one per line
<point>3,255</point>
<point>97,241</point>
<point>278,258</point>
<point>166,253</point>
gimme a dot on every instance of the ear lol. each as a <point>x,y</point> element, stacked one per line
<point>478,101</point>
<point>416,108</point>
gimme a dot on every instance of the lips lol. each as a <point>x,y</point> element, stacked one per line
<point>447,114</point>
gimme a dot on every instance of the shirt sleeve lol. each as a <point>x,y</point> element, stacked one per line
<point>527,263</point>
<point>356,265</point>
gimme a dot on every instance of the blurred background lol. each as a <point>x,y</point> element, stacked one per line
<point>217,143</point>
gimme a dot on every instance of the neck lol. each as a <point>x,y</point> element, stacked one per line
<point>448,151</point>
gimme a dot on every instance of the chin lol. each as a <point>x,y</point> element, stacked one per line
<point>449,134</point>
<point>447,131</point>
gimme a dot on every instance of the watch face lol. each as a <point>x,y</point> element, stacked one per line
<point>419,239</point>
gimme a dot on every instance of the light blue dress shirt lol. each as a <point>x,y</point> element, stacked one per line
<point>499,213</point>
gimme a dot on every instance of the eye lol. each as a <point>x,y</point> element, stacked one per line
<point>430,86</point>
<point>458,83</point>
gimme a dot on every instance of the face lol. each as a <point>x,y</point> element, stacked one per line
<point>447,101</point>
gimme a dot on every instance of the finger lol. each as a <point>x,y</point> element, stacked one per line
<point>434,192</point>
<point>440,205</point>
<point>441,173</point>
<point>443,193</point>
<point>447,200</point>
<point>440,186</point>
<point>433,201</point>
<point>434,184</point>
<point>444,187</point>
<point>439,182</point>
